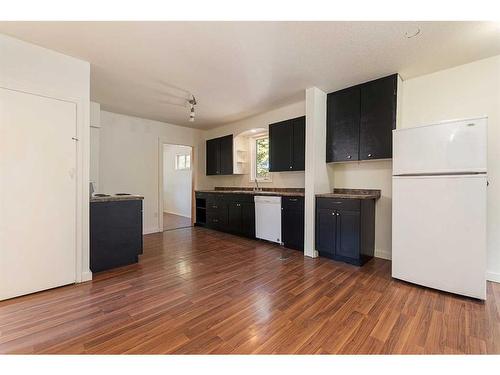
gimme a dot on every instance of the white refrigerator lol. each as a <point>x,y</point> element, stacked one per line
<point>439,206</point>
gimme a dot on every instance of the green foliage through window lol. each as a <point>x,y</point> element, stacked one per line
<point>262,158</point>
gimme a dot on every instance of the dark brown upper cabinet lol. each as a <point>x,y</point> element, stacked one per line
<point>342,125</point>
<point>360,120</point>
<point>287,140</point>
<point>378,118</point>
<point>219,156</point>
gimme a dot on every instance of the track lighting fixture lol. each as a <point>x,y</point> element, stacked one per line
<point>192,103</point>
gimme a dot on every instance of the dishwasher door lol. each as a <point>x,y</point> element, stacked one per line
<point>268,218</point>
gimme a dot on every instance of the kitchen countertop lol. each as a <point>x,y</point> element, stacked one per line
<point>352,194</point>
<point>115,197</point>
<point>284,192</point>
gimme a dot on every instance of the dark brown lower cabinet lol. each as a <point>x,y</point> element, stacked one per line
<point>235,213</point>
<point>345,229</point>
<point>292,222</point>
<point>241,215</point>
<point>115,233</point>
<point>232,213</point>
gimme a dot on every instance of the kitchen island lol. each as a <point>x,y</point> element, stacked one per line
<point>115,230</point>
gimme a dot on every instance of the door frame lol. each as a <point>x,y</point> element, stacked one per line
<point>165,141</point>
<point>82,241</point>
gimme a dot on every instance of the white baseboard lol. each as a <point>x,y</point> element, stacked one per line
<point>383,254</point>
<point>86,276</point>
<point>177,213</point>
<point>493,276</point>
<point>151,230</point>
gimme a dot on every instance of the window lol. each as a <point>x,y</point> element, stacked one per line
<point>182,162</point>
<point>260,170</point>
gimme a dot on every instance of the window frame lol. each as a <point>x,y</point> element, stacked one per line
<point>177,159</point>
<point>253,158</point>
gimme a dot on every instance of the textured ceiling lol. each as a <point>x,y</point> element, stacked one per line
<point>239,69</point>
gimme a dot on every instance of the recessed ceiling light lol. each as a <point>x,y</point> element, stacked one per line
<point>411,33</point>
<point>254,130</point>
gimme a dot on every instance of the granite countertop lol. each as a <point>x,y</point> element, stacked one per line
<point>352,194</point>
<point>115,197</point>
<point>284,192</point>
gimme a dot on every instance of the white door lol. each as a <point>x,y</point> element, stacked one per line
<point>37,193</point>
<point>439,232</point>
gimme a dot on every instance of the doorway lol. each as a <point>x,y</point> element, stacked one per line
<point>177,186</point>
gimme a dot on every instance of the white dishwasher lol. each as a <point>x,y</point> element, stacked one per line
<point>268,218</point>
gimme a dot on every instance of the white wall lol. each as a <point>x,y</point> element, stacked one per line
<point>129,157</point>
<point>176,183</point>
<point>465,91</point>
<point>29,68</point>
<point>279,179</point>
<point>316,175</point>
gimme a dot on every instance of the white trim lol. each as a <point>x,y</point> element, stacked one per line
<point>176,213</point>
<point>162,140</point>
<point>151,230</point>
<point>383,254</point>
<point>493,276</point>
<point>253,158</point>
<point>86,276</point>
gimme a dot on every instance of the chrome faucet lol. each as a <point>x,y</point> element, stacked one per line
<point>256,188</point>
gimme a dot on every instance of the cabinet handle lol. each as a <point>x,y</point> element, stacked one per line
<point>348,156</point>
<point>293,199</point>
<point>290,167</point>
<point>214,206</point>
<point>338,214</point>
<point>333,213</point>
<point>238,205</point>
<point>370,155</point>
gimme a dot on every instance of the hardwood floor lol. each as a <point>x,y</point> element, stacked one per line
<point>200,291</point>
<point>172,221</point>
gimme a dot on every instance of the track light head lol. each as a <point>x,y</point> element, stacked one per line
<point>192,103</point>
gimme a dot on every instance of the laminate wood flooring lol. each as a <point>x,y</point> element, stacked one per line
<point>200,291</point>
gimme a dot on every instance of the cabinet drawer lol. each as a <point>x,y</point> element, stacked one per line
<point>294,203</point>
<point>214,218</point>
<point>247,198</point>
<point>215,201</point>
<point>338,204</point>
<point>201,195</point>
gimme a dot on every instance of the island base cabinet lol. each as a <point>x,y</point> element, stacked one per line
<point>115,234</point>
<point>345,229</point>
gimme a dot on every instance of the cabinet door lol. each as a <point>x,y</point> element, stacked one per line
<point>342,125</point>
<point>234,217</point>
<point>280,146</point>
<point>293,228</point>
<point>378,118</point>
<point>299,144</point>
<point>226,154</point>
<point>348,234</point>
<point>326,220</point>
<point>212,157</point>
<point>248,219</point>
